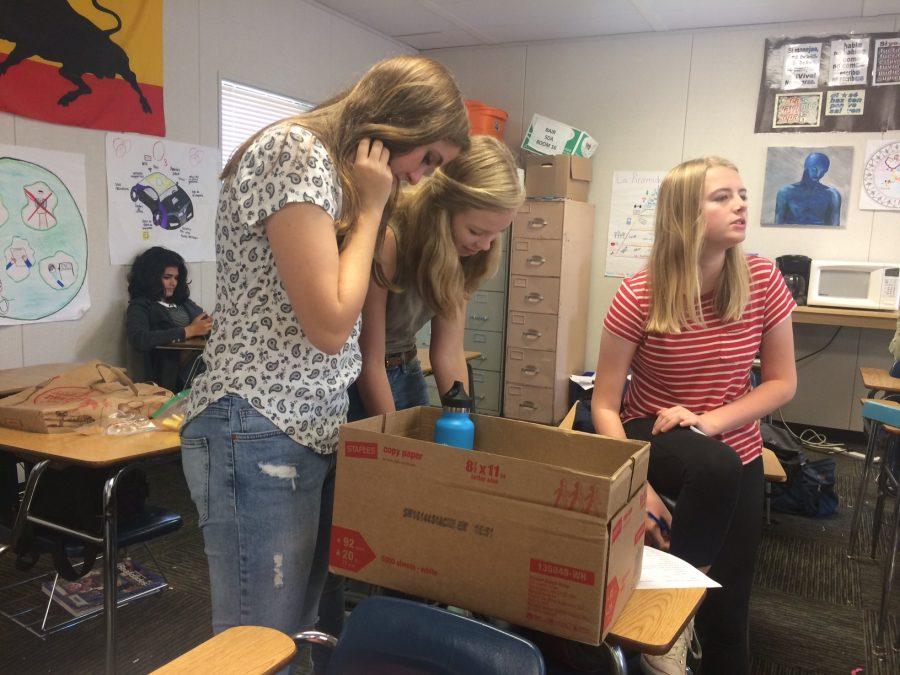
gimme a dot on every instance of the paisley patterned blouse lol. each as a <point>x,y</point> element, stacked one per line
<point>258,350</point>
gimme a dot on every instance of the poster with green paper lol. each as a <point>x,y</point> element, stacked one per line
<point>43,240</point>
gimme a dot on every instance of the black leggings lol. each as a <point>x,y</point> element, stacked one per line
<point>717,521</point>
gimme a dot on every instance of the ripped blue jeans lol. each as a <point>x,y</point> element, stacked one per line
<point>264,503</point>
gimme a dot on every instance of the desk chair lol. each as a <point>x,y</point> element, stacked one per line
<point>386,635</point>
<point>152,522</point>
<point>885,414</point>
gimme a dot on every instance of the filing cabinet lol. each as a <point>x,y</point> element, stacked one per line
<point>549,282</point>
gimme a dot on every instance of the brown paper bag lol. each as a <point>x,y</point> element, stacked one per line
<point>83,395</point>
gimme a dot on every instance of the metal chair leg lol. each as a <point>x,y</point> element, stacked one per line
<point>879,646</point>
<point>616,659</point>
<point>861,492</point>
<point>879,508</point>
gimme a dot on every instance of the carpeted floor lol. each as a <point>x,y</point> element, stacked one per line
<point>814,610</point>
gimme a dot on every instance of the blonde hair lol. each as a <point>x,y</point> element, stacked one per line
<point>483,177</point>
<point>405,102</point>
<point>674,266</point>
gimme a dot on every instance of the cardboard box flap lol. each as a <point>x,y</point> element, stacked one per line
<point>641,461</point>
<point>532,463</point>
<point>581,169</point>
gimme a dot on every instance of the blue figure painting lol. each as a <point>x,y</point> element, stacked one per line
<point>808,202</point>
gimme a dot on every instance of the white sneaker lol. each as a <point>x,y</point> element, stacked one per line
<point>674,661</point>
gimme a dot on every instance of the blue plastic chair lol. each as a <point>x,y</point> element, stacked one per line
<point>386,635</point>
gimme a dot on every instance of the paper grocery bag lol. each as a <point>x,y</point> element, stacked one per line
<point>80,396</point>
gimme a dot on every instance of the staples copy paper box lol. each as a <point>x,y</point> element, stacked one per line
<point>539,526</point>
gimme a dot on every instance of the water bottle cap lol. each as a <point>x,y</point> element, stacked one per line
<point>457,400</point>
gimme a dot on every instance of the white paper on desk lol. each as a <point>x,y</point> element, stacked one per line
<point>662,570</point>
<point>584,381</point>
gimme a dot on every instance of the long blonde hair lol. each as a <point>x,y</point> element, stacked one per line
<point>483,177</point>
<point>405,102</point>
<point>674,267</point>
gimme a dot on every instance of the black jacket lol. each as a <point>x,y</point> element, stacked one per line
<point>149,325</point>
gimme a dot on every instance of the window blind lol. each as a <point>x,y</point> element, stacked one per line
<point>245,110</point>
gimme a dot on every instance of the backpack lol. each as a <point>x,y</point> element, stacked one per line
<point>809,489</point>
<point>73,497</point>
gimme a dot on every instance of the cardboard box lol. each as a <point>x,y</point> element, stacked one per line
<point>550,137</point>
<point>539,526</point>
<point>561,176</point>
<point>81,396</point>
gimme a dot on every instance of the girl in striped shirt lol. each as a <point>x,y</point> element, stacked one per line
<point>688,328</point>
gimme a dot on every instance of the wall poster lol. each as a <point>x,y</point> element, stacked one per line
<point>632,217</point>
<point>43,240</point>
<point>160,193</point>
<point>881,176</point>
<point>830,83</point>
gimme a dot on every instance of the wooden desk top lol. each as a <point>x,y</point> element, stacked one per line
<point>838,316</point>
<point>425,359</point>
<point>243,649</point>
<point>14,380</point>
<point>94,450</point>
<point>652,620</point>
<point>880,380</point>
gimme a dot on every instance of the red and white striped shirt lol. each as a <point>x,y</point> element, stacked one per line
<point>700,368</point>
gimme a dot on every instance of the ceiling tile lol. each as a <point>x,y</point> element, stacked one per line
<point>449,38</point>
<point>879,7</point>
<point>713,13</point>
<point>392,17</point>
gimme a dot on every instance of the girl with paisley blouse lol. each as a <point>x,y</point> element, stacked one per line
<point>300,212</point>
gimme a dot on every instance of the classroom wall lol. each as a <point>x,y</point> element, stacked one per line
<point>653,100</point>
<point>286,46</point>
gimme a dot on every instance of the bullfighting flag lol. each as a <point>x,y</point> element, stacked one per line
<point>85,63</point>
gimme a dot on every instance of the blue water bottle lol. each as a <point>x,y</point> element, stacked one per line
<point>455,427</point>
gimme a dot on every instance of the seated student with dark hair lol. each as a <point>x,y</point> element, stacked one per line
<point>160,311</point>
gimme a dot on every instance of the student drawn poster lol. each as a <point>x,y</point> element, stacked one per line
<point>160,193</point>
<point>801,65</point>
<point>43,241</point>
<point>807,187</point>
<point>849,62</point>
<point>797,110</point>
<point>881,177</point>
<point>887,62</point>
<point>846,102</point>
<point>632,216</point>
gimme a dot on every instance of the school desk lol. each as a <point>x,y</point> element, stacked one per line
<point>120,452</point>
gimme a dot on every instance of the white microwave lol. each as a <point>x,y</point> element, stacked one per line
<point>858,285</point>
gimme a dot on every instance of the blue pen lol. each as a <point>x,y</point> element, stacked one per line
<point>663,526</point>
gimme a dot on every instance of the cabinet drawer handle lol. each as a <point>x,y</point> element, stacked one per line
<point>481,398</point>
<point>479,317</point>
<point>532,334</point>
<point>536,260</point>
<point>528,405</point>
<point>537,223</point>
<point>534,298</point>
<point>530,370</point>
<point>482,358</point>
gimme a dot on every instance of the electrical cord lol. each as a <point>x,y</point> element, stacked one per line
<point>822,349</point>
<point>810,438</point>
